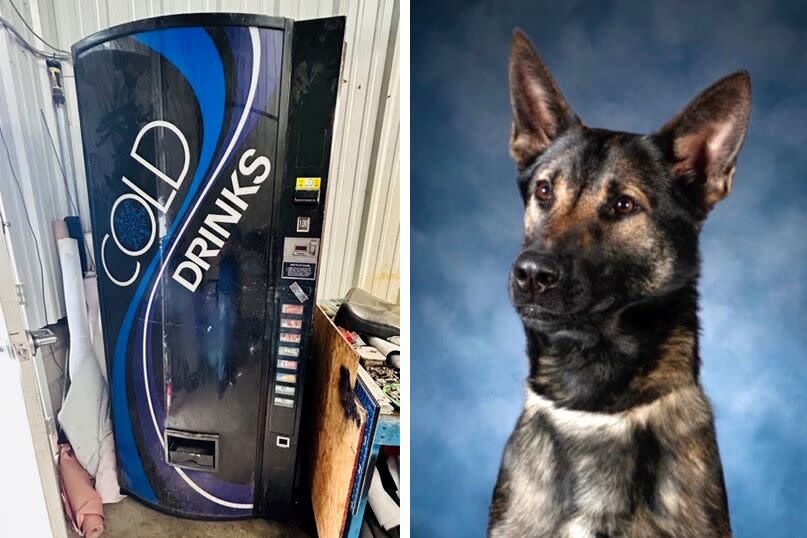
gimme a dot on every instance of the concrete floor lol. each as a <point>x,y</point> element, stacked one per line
<point>130,519</point>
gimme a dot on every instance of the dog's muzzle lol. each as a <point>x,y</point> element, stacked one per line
<point>535,274</point>
<point>546,286</point>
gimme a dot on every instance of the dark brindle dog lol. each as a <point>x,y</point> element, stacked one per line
<point>616,438</point>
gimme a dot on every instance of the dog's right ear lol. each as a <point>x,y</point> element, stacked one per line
<point>540,113</point>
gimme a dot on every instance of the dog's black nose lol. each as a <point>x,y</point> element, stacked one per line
<point>535,273</point>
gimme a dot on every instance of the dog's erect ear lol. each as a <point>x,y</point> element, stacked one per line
<point>703,140</point>
<point>540,113</point>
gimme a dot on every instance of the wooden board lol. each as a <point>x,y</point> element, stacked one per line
<point>336,430</point>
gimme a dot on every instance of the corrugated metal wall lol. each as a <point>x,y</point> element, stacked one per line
<point>31,185</point>
<point>362,214</point>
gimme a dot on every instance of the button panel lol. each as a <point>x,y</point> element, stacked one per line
<point>289,342</point>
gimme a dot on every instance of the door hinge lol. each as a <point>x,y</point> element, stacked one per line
<point>20,293</point>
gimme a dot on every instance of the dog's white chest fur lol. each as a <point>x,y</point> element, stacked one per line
<point>569,473</point>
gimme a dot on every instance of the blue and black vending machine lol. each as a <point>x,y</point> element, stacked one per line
<point>206,143</point>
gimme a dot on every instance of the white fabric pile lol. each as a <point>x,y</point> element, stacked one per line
<point>84,415</point>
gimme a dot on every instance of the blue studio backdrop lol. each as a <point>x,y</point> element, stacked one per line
<point>622,65</point>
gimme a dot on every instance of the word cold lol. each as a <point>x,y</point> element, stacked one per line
<point>231,201</point>
<point>134,244</point>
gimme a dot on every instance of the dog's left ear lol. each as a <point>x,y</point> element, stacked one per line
<point>703,140</point>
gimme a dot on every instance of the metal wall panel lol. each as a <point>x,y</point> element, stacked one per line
<point>362,218</point>
<point>38,194</point>
<point>368,63</point>
<point>378,266</point>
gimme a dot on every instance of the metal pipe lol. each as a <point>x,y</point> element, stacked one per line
<point>65,148</point>
<point>66,152</point>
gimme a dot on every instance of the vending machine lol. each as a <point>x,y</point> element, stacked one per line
<point>207,142</point>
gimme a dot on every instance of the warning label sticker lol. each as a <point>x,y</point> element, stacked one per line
<point>308,183</point>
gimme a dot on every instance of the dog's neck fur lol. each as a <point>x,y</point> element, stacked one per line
<point>633,362</point>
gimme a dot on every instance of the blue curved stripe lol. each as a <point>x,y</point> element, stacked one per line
<point>193,53</point>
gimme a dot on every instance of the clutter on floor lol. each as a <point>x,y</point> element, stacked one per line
<point>365,313</point>
<point>82,502</point>
<point>384,496</point>
<point>388,379</point>
<point>390,350</point>
<point>84,415</point>
<point>86,456</point>
<point>370,328</point>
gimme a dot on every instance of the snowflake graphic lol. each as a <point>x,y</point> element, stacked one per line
<point>132,225</point>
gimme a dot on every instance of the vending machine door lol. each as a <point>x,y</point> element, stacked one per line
<point>180,123</point>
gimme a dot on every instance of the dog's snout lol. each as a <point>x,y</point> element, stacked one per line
<point>535,273</point>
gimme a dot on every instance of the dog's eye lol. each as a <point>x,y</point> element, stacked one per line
<point>543,190</point>
<point>625,205</point>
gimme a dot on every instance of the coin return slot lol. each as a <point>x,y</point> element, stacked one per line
<point>192,450</point>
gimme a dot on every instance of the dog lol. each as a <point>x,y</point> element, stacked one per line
<point>616,437</point>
